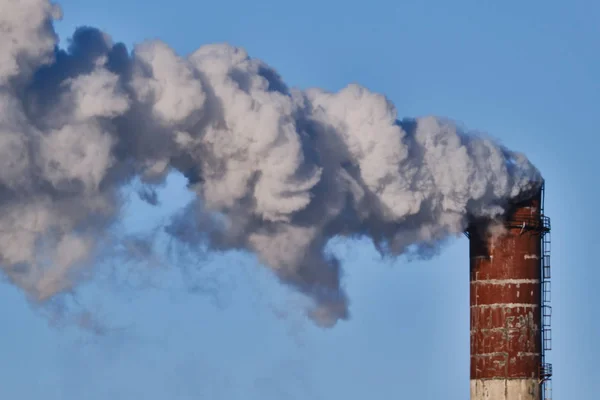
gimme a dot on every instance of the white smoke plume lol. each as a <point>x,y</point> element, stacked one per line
<point>277,171</point>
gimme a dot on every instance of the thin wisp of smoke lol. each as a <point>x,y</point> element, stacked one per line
<point>276,171</point>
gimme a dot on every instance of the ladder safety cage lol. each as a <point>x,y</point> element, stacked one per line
<point>545,371</point>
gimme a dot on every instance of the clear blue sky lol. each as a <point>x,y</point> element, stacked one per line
<point>525,72</point>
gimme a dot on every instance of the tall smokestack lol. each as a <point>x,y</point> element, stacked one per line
<point>509,313</point>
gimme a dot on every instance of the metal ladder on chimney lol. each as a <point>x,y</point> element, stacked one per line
<point>545,373</point>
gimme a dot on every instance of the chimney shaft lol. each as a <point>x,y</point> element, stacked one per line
<point>506,348</point>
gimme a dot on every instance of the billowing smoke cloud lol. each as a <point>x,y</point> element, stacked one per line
<point>277,171</point>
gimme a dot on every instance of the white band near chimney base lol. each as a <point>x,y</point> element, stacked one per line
<point>505,389</point>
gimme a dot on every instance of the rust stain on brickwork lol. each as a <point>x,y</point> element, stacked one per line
<point>505,296</point>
